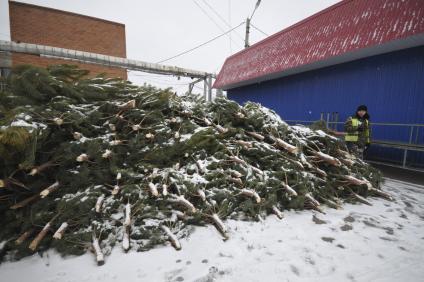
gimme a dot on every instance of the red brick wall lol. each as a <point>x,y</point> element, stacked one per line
<point>45,26</point>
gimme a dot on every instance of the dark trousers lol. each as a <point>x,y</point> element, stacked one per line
<point>355,149</point>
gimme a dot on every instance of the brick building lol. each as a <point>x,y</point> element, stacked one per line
<point>45,26</point>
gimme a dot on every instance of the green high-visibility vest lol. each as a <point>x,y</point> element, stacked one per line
<point>354,136</point>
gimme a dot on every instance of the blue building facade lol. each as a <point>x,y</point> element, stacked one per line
<point>391,85</point>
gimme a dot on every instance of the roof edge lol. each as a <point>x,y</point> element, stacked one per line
<point>391,46</point>
<point>63,12</point>
<point>295,25</point>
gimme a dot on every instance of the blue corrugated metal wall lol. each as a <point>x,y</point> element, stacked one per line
<point>391,85</point>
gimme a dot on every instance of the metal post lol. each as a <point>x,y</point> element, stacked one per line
<point>322,116</point>
<point>405,153</point>
<point>191,85</point>
<point>417,135</point>
<point>209,88</point>
<point>337,120</point>
<point>205,89</point>
<point>328,119</point>
<point>190,88</point>
<point>246,38</point>
<point>219,93</point>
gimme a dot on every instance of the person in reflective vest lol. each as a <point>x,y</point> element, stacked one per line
<point>358,133</point>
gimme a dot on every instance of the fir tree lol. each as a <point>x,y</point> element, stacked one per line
<point>100,162</point>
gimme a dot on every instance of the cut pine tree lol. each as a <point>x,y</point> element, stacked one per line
<point>24,236</point>
<point>185,203</point>
<point>361,199</point>
<point>25,202</point>
<point>171,237</point>
<point>126,239</point>
<point>34,244</point>
<point>220,226</point>
<point>251,194</point>
<point>289,190</point>
<point>256,135</point>
<point>286,146</point>
<point>242,161</point>
<point>41,168</point>
<point>59,233</point>
<point>277,212</point>
<point>153,189</point>
<point>328,159</point>
<point>49,189</point>
<point>382,194</point>
<point>100,258</point>
<point>99,203</point>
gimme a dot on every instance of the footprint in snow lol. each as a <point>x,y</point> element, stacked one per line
<point>220,254</point>
<point>403,216</point>
<point>317,220</point>
<point>294,269</point>
<point>213,269</point>
<point>346,227</point>
<point>402,248</point>
<point>349,219</point>
<point>389,230</point>
<point>212,275</point>
<point>388,239</point>
<point>169,276</point>
<point>328,239</point>
<point>368,223</point>
<point>350,277</point>
<point>310,260</point>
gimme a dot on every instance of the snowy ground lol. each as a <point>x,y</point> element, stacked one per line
<point>383,242</point>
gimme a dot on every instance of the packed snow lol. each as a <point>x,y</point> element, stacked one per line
<point>383,242</point>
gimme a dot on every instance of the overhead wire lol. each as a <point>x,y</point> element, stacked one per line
<point>229,21</point>
<point>207,14</point>
<point>156,80</point>
<point>211,18</point>
<point>221,17</point>
<point>258,29</point>
<point>178,87</point>
<point>200,45</point>
<point>136,73</point>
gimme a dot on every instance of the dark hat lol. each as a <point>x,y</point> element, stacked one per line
<point>362,108</point>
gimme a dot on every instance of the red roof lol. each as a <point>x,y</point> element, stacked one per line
<point>346,31</point>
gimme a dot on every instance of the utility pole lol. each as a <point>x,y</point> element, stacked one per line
<point>246,38</point>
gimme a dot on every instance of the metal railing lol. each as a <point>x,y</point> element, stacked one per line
<point>414,142</point>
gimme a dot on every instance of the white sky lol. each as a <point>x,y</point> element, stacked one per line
<point>158,29</point>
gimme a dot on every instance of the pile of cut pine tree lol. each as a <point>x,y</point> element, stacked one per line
<point>90,163</point>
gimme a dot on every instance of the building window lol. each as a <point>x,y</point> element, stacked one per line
<point>4,72</point>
